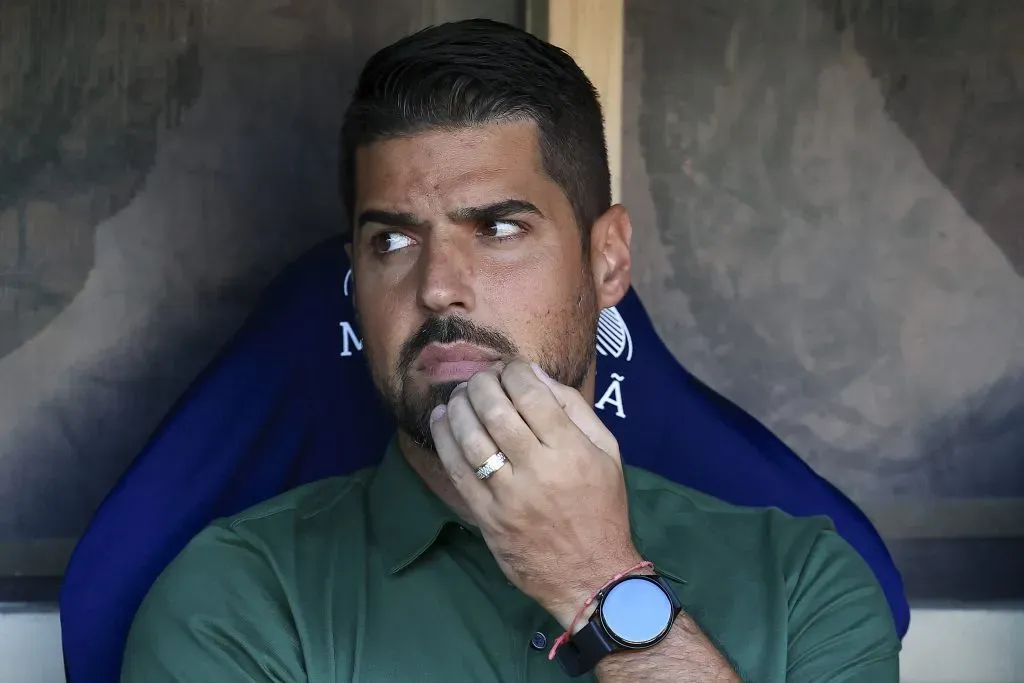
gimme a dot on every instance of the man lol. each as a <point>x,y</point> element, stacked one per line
<point>501,530</point>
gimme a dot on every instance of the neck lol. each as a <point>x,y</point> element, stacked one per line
<point>428,465</point>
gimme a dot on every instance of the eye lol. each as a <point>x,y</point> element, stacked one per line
<point>502,230</point>
<point>389,242</point>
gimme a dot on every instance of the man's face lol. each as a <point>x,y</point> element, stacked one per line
<point>466,253</point>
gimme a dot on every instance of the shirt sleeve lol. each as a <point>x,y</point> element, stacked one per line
<point>218,613</point>
<point>840,627</point>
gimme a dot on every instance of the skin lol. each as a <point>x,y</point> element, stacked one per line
<point>510,272</point>
<point>541,292</point>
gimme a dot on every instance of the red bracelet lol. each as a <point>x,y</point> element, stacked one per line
<point>564,638</point>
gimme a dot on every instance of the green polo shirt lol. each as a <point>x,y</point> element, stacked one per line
<point>371,578</point>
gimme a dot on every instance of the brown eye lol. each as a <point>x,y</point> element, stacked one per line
<point>390,242</point>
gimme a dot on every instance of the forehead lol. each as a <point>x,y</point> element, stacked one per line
<point>438,169</point>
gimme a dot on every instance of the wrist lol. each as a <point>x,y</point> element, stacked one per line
<point>585,583</point>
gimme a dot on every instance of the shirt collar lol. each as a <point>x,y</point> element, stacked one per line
<point>406,516</point>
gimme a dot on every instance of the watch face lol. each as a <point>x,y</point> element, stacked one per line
<point>636,611</point>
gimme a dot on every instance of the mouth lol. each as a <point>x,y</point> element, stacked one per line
<point>454,362</point>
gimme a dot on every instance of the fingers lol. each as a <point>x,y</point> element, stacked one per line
<point>497,413</point>
<point>512,409</point>
<point>552,412</point>
<point>536,403</point>
<point>470,434</point>
<point>462,474</point>
<point>576,408</point>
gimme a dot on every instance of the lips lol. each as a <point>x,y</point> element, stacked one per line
<point>454,362</point>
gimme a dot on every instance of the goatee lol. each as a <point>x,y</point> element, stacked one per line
<point>567,360</point>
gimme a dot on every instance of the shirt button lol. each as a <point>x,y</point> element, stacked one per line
<point>539,641</point>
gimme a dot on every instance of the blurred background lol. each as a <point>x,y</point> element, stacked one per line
<point>827,199</point>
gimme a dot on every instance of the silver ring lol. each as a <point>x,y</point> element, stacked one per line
<point>491,465</point>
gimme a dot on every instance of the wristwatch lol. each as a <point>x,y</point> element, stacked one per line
<point>634,613</point>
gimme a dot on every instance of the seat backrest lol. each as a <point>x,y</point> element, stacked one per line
<point>289,401</point>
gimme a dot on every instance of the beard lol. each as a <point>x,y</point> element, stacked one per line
<point>566,357</point>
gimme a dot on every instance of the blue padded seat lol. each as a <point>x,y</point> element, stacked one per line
<point>289,401</point>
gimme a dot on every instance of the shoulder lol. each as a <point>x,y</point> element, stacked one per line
<point>656,502</point>
<point>766,545</point>
<point>239,574</point>
<point>257,546</point>
<point>835,613</point>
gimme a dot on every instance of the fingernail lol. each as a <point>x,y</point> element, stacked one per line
<point>438,412</point>
<point>461,385</point>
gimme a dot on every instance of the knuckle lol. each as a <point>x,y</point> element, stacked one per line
<point>458,476</point>
<point>531,397</point>
<point>480,448</point>
<point>493,414</point>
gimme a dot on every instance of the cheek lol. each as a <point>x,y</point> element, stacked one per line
<point>381,327</point>
<point>537,306</point>
<point>543,278</point>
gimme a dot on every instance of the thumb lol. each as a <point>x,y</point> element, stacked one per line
<point>581,414</point>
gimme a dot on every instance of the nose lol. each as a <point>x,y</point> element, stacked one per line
<point>447,274</point>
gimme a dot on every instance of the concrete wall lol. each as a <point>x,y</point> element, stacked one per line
<point>160,161</point>
<point>828,201</point>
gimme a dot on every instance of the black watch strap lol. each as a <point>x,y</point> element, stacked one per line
<point>583,651</point>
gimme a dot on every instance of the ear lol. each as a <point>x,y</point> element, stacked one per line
<point>610,259</point>
<point>348,251</point>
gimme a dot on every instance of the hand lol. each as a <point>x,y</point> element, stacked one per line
<point>555,516</point>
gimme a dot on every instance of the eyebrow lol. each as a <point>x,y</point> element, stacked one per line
<point>494,212</point>
<point>394,219</point>
<point>469,214</point>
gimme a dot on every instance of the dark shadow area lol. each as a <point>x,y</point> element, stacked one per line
<point>84,92</point>
<point>967,570</point>
<point>29,589</point>
<point>160,162</point>
<point>963,443</point>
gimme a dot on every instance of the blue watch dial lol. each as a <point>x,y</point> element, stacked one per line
<point>636,611</point>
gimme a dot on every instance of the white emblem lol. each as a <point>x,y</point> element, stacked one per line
<point>349,338</point>
<point>348,276</point>
<point>613,395</point>
<point>612,335</point>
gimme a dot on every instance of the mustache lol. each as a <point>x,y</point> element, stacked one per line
<point>451,329</point>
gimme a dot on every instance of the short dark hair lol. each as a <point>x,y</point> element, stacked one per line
<point>474,72</point>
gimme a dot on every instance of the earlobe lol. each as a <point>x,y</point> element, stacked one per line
<point>610,257</point>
